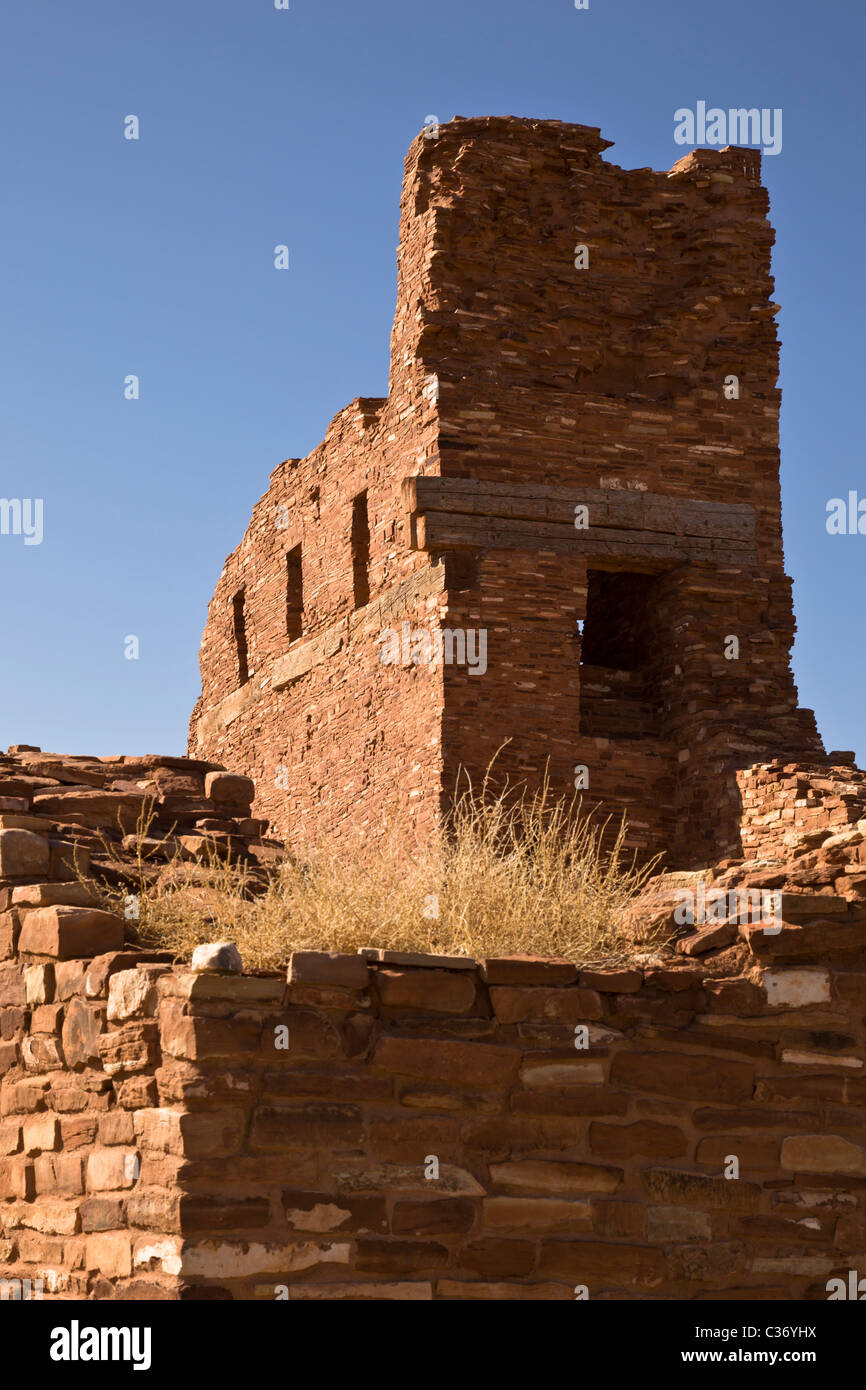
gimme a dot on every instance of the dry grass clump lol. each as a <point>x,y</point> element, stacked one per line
<point>526,874</point>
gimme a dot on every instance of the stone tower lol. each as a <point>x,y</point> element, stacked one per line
<point>575,472</point>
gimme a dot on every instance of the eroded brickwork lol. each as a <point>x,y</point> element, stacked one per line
<point>158,1143</point>
<point>530,378</point>
<point>85,1149</point>
<point>413,1127</point>
<point>797,806</point>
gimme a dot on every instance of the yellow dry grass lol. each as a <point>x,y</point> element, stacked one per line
<point>507,874</point>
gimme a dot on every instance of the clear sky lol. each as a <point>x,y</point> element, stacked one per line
<point>261,126</point>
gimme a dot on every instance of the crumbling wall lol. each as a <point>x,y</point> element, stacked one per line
<point>568,329</point>
<point>797,806</point>
<point>430,1129</point>
<point>87,1149</point>
<point>333,737</point>
<point>686,1125</point>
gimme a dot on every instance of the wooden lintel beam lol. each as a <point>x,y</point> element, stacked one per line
<point>438,531</point>
<point>460,513</point>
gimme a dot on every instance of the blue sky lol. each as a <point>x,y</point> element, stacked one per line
<point>259,127</point>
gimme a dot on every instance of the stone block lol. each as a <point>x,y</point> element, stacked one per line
<point>23,854</point>
<point>67,932</point>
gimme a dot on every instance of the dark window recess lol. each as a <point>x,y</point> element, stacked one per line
<point>240,631</point>
<point>360,551</point>
<point>618,657</point>
<point>461,570</point>
<point>294,594</point>
<point>616,630</point>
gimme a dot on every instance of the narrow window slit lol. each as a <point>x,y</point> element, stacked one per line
<point>360,550</point>
<point>240,631</point>
<point>294,594</point>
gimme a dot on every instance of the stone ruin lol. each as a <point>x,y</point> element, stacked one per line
<point>576,469</point>
<point>156,1141</point>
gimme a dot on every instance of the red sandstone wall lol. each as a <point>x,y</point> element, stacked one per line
<point>612,376</point>
<point>159,1139</point>
<point>794,808</point>
<point>606,377</point>
<point>348,740</point>
<point>168,1149</point>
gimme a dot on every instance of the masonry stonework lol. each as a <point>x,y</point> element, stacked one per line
<point>412,1127</point>
<point>557,464</point>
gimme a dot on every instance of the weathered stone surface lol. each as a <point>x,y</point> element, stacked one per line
<point>102,1213</point>
<point>705,1263</point>
<point>474,1064</point>
<point>596,1263</point>
<point>82,1027</point>
<point>224,1260</point>
<point>219,957</point>
<point>538,1214</point>
<point>497,1256</point>
<point>41,1133</point>
<point>404,1178</point>
<point>22,853</point>
<point>228,788</point>
<point>328,968</point>
<point>380,1255</point>
<point>823,1153</point>
<point>41,1052</point>
<point>110,1253</point>
<point>798,905</point>
<point>131,993</point>
<point>487,1292</point>
<point>443,1216</point>
<point>696,1077</point>
<point>181,983</point>
<point>676,978</point>
<point>53,894</point>
<point>645,1139</point>
<point>513,1005</point>
<point>68,977</point>
<point>617,1219</point>
<point>13,988</point>
<point>417,959</point>
<point>528,970</point>
<point>305,1126</point>
<point>320,1212</point>
<point>131,1048</point>
<point>203,1037</point>
<point>59,1175</point>
<point>39,983</point>
<point>67,932</point>
<point>571,1072</point>
<point>429,991</point>
<point>10,926</point>
<point>10,1137</point>
<point>796,988</point>
<point>563,1179</point>
<point>670,1187</point>
<point>215,1213</point>
<point>754,1154</point>
<point>98,974</point>
<point>403,1291</point>
<point>739,996</point>
<point>110,1169</point>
